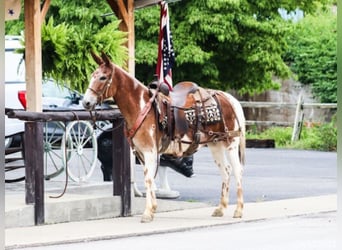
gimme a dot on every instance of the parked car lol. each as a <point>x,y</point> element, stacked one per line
<point>14,82</point>
<point>54,97</point>
<point>73,143</point>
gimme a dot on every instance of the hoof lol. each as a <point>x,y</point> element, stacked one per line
<point>237,214</point>
<point>146,218</point>
<point>217,213</point>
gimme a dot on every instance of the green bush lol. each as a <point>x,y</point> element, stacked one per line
<point>312,55</point>
<point>321,137</point>
<point>66,51</point>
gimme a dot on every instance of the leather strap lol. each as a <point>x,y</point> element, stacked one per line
<point>142,115</point>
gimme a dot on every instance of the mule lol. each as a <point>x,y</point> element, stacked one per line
<point>155,124</point>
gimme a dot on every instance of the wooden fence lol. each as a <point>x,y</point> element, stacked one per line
<point>33,147</point>
<point>299,115</point>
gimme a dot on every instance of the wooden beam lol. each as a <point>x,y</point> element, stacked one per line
<point>113,5</point>
<point>45,8</point>
<point>65,116</point>
<point>120,9</point>
<point>131,38</point>
<point>33,55</point>
<point>124,10</point>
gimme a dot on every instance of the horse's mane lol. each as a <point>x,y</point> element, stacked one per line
<point>125,72</point>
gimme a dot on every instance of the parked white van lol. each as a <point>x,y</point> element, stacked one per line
<point>14,82</point>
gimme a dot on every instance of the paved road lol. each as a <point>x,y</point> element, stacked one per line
<point>270,174</point>
<point>314,232</point>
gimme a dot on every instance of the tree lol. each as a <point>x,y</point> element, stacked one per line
<point>224,44</point>
<point>312,55</point>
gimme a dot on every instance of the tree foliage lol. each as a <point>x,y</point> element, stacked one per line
<point>312,55</point>
<point>66,51</point>
<point>224,44</point>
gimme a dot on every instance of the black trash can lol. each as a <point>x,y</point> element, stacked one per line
<point>104,153</point>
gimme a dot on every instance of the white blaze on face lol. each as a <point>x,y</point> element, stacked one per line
<point>89,98</point>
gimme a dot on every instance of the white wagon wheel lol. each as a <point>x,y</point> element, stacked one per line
<point>54,149</point>
<point>81,148</point>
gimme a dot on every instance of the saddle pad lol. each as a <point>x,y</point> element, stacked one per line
<point>211,113</point>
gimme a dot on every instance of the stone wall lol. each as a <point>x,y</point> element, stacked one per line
<point>288,93</point>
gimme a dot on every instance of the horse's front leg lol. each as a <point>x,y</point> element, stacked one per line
<point>150,169</point>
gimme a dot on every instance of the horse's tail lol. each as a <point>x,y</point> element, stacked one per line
<point>241,122</point>
<point>242,146</point>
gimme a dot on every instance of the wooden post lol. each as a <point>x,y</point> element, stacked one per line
<point>124,10</point>
<point>121,167</point>
<point>299,117</point>
<point>33,55</point>
<point>34,169</point>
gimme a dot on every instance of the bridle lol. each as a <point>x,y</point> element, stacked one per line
<point>99,95</point>
<point>104,90</point>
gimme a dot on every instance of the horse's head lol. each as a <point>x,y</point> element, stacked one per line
<point>100,86</point>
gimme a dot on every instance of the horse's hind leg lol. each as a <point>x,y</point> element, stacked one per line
<point>218,152</point>
<point>233,155</point>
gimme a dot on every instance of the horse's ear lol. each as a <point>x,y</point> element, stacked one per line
<point>105,59</point>
<point>96,58</point>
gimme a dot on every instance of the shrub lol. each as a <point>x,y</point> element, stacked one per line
<point>319,137</point>
<point>312,54</point>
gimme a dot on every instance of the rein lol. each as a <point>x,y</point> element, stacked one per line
<point>141,117</point>
<point>93,116</point>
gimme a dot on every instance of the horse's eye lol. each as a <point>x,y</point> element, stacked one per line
<point>102,78</point>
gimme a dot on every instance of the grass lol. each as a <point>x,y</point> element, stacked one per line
<point>321,137</point>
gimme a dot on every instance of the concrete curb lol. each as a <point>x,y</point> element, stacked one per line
<point>164,222</point>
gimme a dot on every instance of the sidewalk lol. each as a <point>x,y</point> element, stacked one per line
<point>164,222</point>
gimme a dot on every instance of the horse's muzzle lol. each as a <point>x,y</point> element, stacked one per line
<point>88,105</point>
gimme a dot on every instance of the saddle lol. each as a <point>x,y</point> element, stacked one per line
<point>187,107</point>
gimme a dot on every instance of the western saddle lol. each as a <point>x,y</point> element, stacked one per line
<point>186,107</point>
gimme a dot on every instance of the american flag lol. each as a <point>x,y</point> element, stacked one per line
<point>166,55</point>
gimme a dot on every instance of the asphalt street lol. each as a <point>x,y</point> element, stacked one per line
<point>269,174</point>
